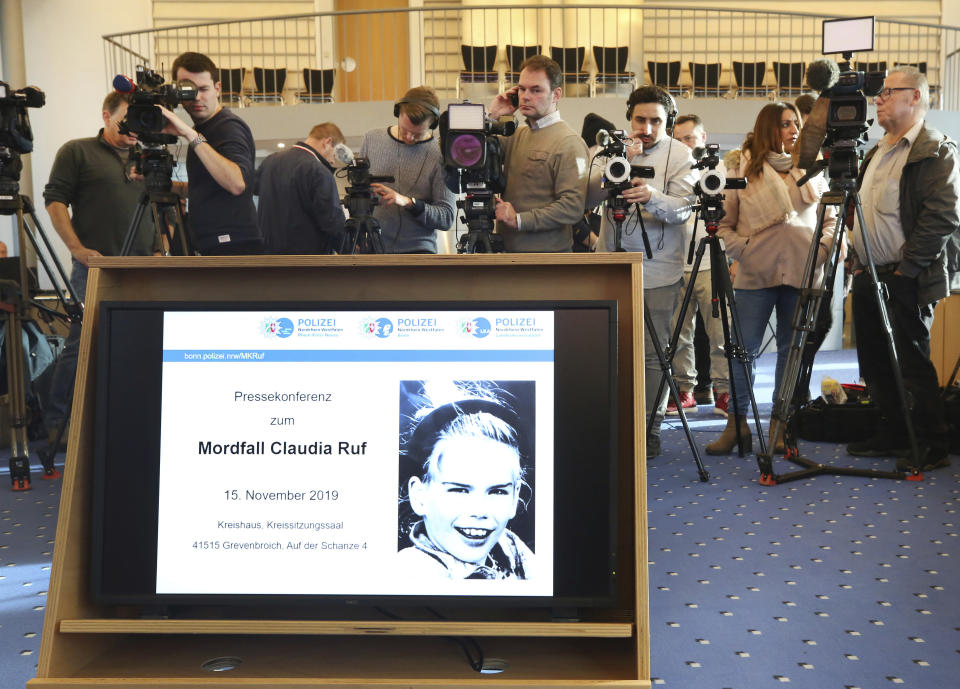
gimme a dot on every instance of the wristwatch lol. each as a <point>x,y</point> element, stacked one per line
<point>196,142</point>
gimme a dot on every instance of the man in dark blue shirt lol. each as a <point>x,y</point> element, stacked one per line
<point>299,210</point>
<point>220,165</point>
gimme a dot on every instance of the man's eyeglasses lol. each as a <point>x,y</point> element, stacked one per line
<point>887,92</point>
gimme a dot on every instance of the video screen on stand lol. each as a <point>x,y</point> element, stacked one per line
<point>356,454</point>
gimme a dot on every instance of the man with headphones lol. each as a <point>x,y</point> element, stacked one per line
<point>418,204</point>
<point>664,202</point>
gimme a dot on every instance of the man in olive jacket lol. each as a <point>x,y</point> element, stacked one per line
<point>909,188</point>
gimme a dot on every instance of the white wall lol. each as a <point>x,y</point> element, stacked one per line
<point>64,57</point>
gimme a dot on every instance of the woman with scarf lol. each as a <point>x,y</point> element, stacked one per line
<point>768,228</point>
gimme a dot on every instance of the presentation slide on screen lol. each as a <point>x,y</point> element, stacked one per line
<point>357,453</point>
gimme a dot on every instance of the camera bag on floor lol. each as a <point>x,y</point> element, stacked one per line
<point>856,419</point>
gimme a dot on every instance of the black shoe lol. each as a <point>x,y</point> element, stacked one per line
<point>653,446</point>
<point>878,446</point>
<point>704,396</point>
<point>930,458</point>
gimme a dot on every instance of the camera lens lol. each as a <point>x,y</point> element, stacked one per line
<point>617,170</point>
<point>466,150</point>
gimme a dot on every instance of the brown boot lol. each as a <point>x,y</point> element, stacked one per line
<point>777,445</point>
<point>727,441</point>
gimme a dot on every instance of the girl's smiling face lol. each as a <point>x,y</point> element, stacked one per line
<point>469,495</point>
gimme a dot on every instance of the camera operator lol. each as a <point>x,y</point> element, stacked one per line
<point>299,210</point>
<point>421,204</point>
<point>545,164</point>
<point>220,165</point>
<point>909,187</point>
<point>90,177</point>
<point>689,129</point>
<point>666,202</point>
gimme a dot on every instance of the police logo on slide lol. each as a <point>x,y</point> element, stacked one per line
<point>475,327</point>
<point>277,327</point>
<point>380,327</point>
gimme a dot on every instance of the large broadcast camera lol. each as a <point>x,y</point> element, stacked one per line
<point>143,116</point>
<point>16,137</point>
<point>473,162</point>
<point>150,156</point>
<point>838,123</point>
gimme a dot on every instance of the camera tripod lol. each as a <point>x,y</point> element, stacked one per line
<point>724,307</point>
<point>479,212</point>
<point>617,209</point>
<point>155,162</point>
<point>362,233</point>
<point>798,369</point>
<point>14,299</point>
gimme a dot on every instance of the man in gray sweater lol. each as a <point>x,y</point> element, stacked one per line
<point>545,164</point>
<point>411,210</point>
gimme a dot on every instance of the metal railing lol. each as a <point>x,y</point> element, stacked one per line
<point>377,54</point>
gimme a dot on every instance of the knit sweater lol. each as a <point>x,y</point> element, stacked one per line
<point>546,171</point>
<point>418,172</point>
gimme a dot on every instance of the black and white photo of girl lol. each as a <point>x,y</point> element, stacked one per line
<point>466,479</point>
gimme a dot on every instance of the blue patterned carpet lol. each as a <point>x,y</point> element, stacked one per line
<point>824,583</point>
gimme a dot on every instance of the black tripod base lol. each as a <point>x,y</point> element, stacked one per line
<point>811,468</point>
<point>20,473</point>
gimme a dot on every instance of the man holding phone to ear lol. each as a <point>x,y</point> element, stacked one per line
<point>545,164</point>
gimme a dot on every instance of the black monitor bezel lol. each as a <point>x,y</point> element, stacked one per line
<point>105,356</point>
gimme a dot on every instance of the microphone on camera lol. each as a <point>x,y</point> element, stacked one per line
<point>822,74</point>
<point>603,138</point>
<point>343,153</point>
<point>123,84</point>
<point>699,152</point>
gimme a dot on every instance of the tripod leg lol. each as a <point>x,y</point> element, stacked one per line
<point>16,396</point>
<point>667,369</point>
<point>735,348</point>
<point>800,358</point>
<point>134,225</point>
<point>651,329</point>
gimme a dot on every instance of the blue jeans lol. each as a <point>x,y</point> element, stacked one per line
<point>754,307</point>
<point>61,386</point>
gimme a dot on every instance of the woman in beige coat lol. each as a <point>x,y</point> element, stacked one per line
<point>768,228</point>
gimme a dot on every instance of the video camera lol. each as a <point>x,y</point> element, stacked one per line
<point>709,189</point>
<point>143,116</point>
<point>618,171</point>
<point>16,137</point>
<point>838,122</point>
<point>473,165</point>
<point>360,199</point>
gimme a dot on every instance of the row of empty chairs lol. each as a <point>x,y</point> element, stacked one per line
<point>480,64</point>
<point>705,78</point>
<point>268,85</point>
<point>750,77</point>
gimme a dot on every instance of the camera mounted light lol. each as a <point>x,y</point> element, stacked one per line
<point>617,170</point>
<point>713,182</point>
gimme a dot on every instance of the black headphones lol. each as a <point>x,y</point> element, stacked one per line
<point>422,103</point>
<point>671,110</point>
